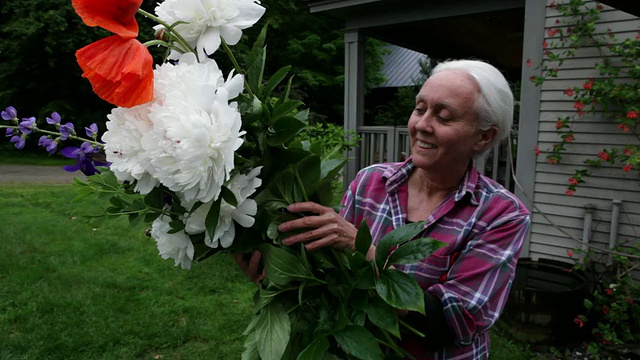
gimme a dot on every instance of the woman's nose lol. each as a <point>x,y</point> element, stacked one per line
<point>425,122</point>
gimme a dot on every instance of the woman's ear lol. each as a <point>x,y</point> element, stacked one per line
<point>486,137</point>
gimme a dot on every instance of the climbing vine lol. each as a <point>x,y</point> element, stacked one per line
<point>614,94</point>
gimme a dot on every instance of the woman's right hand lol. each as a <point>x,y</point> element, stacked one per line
<point>252,267</point>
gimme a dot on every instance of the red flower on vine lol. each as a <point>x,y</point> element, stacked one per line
<point>568,92</point>
<point>627,168</point>
<point>570,253</point>
<point>553,161</point>
<point>588,85</point>
<point>609,291</point>
<point>627,152</point>
<point>569,138</point>
<point>536,150</point>
<point>573,181</point>
<point>119,67</point>
<point>623,127</point>
<point>552,5</point>
<point>559,124</point>
<point>632,114</point>
<point>578,322</point>
<point>528,62</point>
<point>544,44</point>
<point>579,105</point>
<point>552,32</point>
<point>604,156</point>
<point>569,192</point>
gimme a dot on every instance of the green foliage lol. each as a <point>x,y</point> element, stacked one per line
<point>616,100</point>
<point>337,302</point>
<point>330,136</point>
<point>313,46</point>
<point>612,311</point>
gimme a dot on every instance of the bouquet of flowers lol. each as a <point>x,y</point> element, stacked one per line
<point>209,160</point>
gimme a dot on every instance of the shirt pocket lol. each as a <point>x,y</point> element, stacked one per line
<point>430,270</point>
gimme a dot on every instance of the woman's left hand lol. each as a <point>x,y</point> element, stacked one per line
<point>325,229</point>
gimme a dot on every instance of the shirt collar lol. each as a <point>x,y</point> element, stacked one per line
<point>394,177</point>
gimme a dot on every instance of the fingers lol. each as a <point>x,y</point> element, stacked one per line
<point>252,267</point>
<point>308,206</point>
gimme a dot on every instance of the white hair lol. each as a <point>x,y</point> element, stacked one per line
<point>495,103</point>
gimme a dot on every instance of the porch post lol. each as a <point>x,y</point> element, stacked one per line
<point>353,95</point>
<point>534,24</point>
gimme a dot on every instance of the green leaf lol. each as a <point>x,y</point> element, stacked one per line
<point>331,167</point>
<point>283,266</point>
<point>285,109</point>
<point>414,251</point>
<point>273,330</point>
<point>284,130</point>
<point>211,221</point>
<point>275,80</point>
<point>395,237</point>
<point>315,350</point>
<point>250,348</point>
<point>228,196</point>
<point>359,342</point>
<point>383,316</point>
<point>400,290</point>
<point>309,172</point>
<point>363,238</point>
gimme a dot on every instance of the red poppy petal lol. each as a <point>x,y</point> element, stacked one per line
<point>117,16</point>
<point>120,70</point>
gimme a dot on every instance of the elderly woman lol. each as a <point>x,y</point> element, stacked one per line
<point>462,110</point>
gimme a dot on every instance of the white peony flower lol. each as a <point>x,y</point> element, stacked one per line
<point>206,21</point>
<point>175,246</point>
<point>242,187</point>
<point>195,132</point>
<point>123,146</point>
<point>185,138</point>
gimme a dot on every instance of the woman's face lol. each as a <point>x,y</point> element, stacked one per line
<point>442,127</point>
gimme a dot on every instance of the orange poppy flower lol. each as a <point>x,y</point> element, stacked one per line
<point>117,16</point>
<point>119,69</point>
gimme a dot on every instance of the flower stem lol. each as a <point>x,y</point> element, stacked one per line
<point>411,328</point>
<point>304,192</point>
<point>48,132</point>
<point>169,28</point>
<point>227,50</point>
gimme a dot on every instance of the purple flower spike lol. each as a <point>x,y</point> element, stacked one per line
<point>9,132</point>
<point>66,130</point>
<point>86,147</point>
<point>92,130</point>
<point>18,140</point>
<point>54,119</point>
<point>42,140</point>
<point>9,113</point>
<point>27,125</point>
<point>51,147</point>
<point>86,164</point>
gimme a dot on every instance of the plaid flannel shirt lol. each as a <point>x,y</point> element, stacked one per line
<point>484,227</point>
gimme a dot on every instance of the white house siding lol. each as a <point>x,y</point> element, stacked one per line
<point>555,233</point>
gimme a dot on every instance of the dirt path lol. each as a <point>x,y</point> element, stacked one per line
<point>34,174</point>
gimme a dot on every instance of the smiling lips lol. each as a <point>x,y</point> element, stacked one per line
<point>425,145</point>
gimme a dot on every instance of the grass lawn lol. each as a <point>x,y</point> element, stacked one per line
<point>71,291</point>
